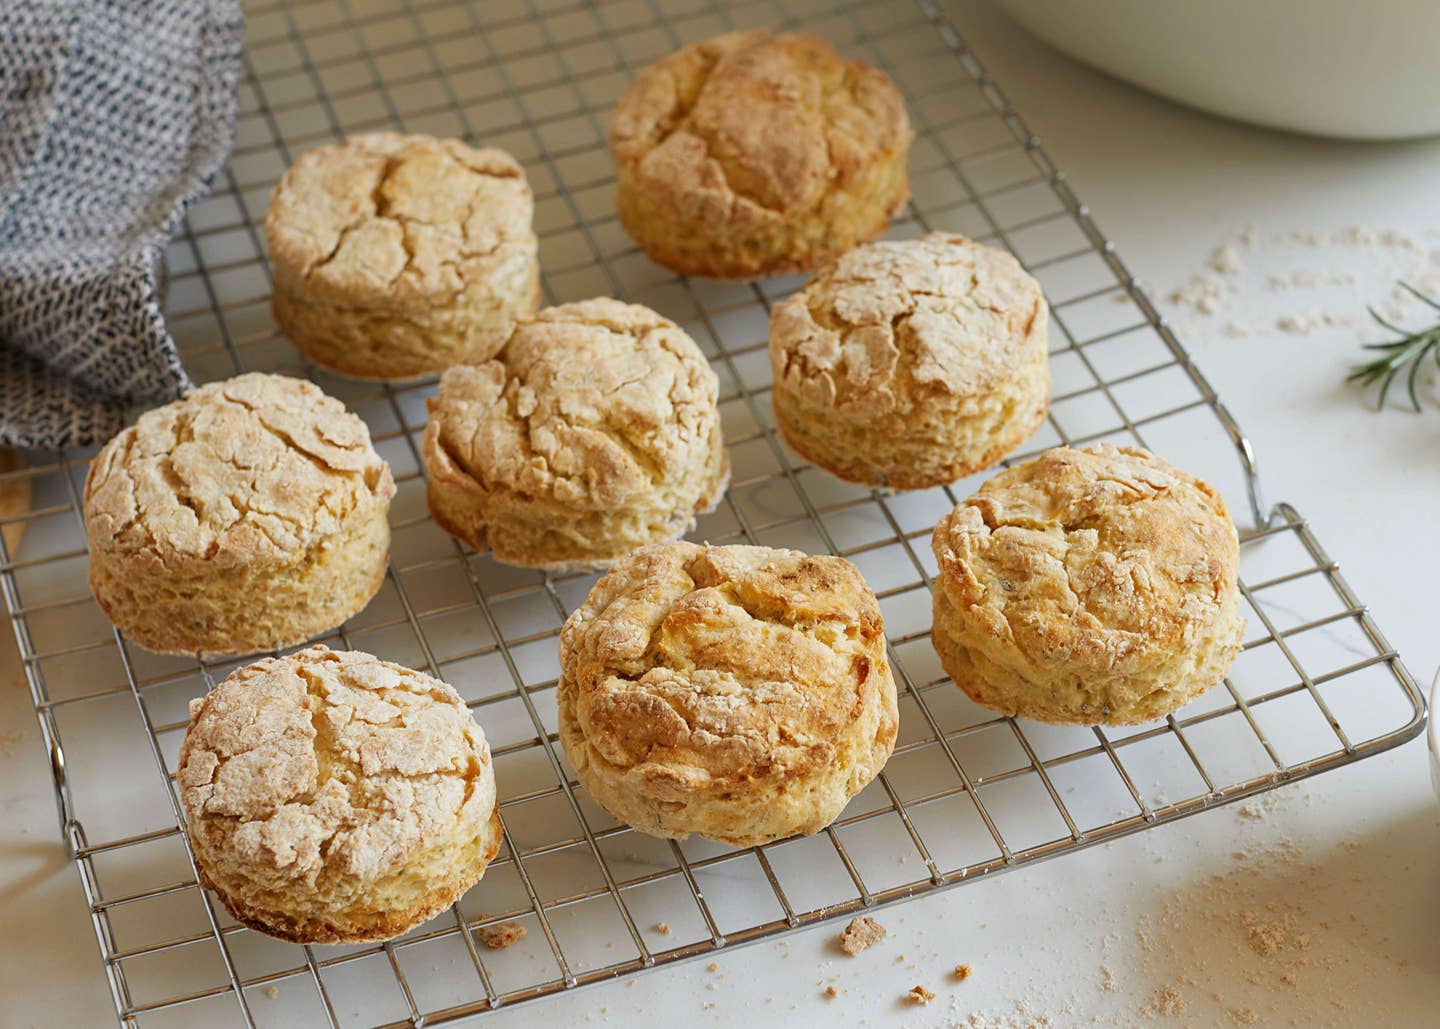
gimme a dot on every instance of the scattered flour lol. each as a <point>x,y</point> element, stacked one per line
<point>1202,292</point>
<point>1309,322</point>
<point>1272,277</point>
<point>8,739</point>
<point>1225,259</point>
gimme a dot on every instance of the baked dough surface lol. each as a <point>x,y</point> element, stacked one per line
<point>331,797</point>
<point>911,363</point>
<point>396,256</point>
<point>741,693</point>
<point>755,154</point>
<point>1093,586</point>
<point>250,515</point>
<point>594,432</point>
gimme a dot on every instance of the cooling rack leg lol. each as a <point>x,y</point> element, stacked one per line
<point>1264,517</point>
<point>62,789</point>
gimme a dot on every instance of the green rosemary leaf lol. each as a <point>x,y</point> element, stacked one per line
<point>1395,356</point>
<point>1420,296</point>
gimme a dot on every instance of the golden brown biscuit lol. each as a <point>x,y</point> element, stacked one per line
<point>911,364</point>
<point>250,515</point>
<point>754,154</point>
<point>741,693</point>
<point>1090,586</point>
<point>593,432</point>
<point>14,498</point>
<point>397,256</point>
<point>336,798</point>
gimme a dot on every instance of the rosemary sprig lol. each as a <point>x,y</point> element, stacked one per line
<point>1410,349</point>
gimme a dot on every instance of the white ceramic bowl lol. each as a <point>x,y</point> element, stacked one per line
<point>1366,70</point>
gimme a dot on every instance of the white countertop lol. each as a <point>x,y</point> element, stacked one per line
<point>1349,856</point>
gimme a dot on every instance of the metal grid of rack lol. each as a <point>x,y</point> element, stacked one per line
<point>967,793</point>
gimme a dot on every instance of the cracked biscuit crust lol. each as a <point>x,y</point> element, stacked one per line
<point>397,256</point>
<point>593,432</point>
<point>336,798</point>
<point>250,515</point>
<point>911,364</point>
<point>756,154</point>
<point>1092,586</point>
<point>741,693</point>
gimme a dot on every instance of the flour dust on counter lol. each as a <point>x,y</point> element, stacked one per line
<point>1277,932</point>
<point>1307,282</point>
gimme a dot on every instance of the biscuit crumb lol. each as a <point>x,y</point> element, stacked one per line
<point>1264,936</point>
<point>919,995</point>
<point>1168,1002</point>
<point>712,967</point>
<point>271,992</point>
<point>831,992</point>
<point>962,972</point>
<point>662,928</point>
<point>498,937</point>
<point>862,932</point>
<point>1243,1016</point>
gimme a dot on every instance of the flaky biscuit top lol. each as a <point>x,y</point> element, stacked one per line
<point>256,468</point>
<point>893,321</point>
<point>751,127</point>
<point>389,221</point>
<point>706,667</point>
<point>327,765</point>
<point>591,404</point>
<point>1106,558</point>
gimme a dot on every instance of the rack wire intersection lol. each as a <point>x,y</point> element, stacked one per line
<point>967,794</point>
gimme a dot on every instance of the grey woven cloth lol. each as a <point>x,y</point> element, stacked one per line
<point>114,114</point>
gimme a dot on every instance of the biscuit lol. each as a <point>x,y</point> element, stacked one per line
<point>14,498</point>
<point>251,515</point>
<point>911,364</point>
<point>593,432</point>
<point>336,798</point>
<point>1092,587</point>
<point>741,693</point>
<point>755,154</point>
<point>397,256</point>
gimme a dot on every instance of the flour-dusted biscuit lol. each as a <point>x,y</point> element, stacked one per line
<point>14,498</point>
<point>336,798</point>
<point>911,364</point>
<point>741,693</point>
<point>593,432</point>
<point>754,154</point>
<point>1095,587</point>
<point>250,515</point>
<point>397,256</point>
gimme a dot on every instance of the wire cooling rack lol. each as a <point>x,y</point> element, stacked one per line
<point>967,794</point>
